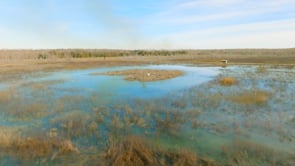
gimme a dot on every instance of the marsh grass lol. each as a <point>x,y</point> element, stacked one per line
<point>172,122</point>
<point>34,147</point>
<point>5,96</point>
<point>8,135</point>
<point>244,153</point>
<point>179,103</point>
<point>28,112</point>
<point>249,97</point>
<point>136,150</point>
<point>227,81</point>
<point>126,120</point>
<point>15,143</point>
<point>145,75</point>
<point>169,122</point>
<point>75,124</point>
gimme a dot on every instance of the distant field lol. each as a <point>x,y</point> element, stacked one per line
<point>16,61</point>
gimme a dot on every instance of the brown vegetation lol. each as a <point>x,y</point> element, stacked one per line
<point>227,81</point>
<point>22,112</point>
<point>134,150</point>
<point>14,145</point>
<point>8,135</point>
<point>40,147</point>
<point>4,96</point>
<point>75,124</point>
<point>145,75</point>
<point>250,97</point>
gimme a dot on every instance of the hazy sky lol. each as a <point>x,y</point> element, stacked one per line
<point>147,24</point>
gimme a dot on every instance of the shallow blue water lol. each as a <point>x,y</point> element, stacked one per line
<point>81,82</point>
<point>109,89</point>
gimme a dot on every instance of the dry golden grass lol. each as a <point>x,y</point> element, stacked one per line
<point>131,151</point>
<point>8,135</point>
<point>13,144</point>
<point>145,75</point>
<point>227,81</point>
<point>135,150</point>
<point>250,97</point>
<point>41,147</point>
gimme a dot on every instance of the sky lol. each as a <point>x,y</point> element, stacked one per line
<point>147,24</point>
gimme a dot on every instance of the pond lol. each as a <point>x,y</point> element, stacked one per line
<point>57,118</point>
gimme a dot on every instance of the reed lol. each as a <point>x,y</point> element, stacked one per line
<point>169,122</point>
<point>75,124</point>
<point>22,112</point>
<point>130,151</point>
<point>41,147</point>
<point>8,135</point>
<point>136,150</point>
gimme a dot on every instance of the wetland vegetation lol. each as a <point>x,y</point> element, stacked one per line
<point>204,115</point>
<point>144,75</point>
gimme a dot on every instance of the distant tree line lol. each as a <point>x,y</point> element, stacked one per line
<point>158,52</point>
<point>110,53</point>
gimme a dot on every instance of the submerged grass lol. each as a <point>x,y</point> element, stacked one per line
<point>244,153</point>
<point>248,97</point>
<point>28,112</point>
<point>75,124</point>
<point>13,143</point>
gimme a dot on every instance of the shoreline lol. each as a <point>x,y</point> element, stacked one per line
<point>27,61</point>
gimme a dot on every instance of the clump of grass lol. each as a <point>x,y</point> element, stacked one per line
<point>172,122</point>
<point>227,81</point>
<point>135,150</point>
<point>129,151</point>
<point>250,97</point>
<point>75,124</point>
<point>179,103</point>
<point>145,75</point>
<point>169,122</point>
<point>28,112</point>
<point>39,147</point>
<point>8,135</point>
<point>249,153</point>
<point>14,145</point>
<point>5,96</point>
